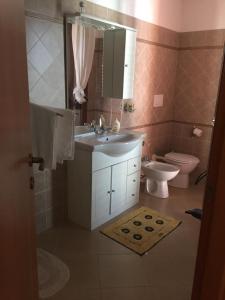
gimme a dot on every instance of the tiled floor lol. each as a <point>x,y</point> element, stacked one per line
<point>101,269</point>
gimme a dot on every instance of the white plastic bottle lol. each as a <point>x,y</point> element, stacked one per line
<point>102,121</point>
<point>116,126</point>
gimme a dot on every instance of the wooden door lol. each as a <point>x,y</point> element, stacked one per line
<point>209,282</point>
<point>119,189</point>
<point>18,278</point>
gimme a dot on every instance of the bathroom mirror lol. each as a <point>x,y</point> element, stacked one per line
<point>112,63</point>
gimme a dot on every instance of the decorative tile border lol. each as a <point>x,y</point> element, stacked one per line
<point>43,17</point>
<point>155,123</point>
<point>156,44</point>
<point>200,48</point>
<point>169,121</point>
<point>193,124</point>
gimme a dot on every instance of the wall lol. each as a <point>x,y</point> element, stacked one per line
<point>177,15</point>
<point>50,196</point>
<point>202,15</point>
<point>159,12</point>
<point>198,74</point>
<point>45,53</point>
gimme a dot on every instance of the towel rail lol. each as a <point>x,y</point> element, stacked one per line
<point>36,160</point>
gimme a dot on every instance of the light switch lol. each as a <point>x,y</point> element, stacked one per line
<point>158,101</point>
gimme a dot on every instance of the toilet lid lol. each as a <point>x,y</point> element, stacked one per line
<point>181,157</point>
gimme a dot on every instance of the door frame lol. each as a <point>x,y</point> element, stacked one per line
<point>209,281</point>
<point>18,257</point>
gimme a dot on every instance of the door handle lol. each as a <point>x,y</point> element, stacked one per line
<point>36,160</point>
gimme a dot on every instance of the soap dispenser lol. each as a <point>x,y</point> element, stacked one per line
<point>116,126</point>
<point>102,121</point>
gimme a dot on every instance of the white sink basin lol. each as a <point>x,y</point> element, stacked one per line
<point>113,144</point>
<point>115,138</point>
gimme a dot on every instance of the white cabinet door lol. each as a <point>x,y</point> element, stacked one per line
<point>119,63</point>
<point>101,189</point>
<point>119,190</point>
<point>129,64</point>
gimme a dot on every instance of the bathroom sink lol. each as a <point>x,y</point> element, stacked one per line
<point>112,144</point>
<point>117,144</point>
<point>114,138</point>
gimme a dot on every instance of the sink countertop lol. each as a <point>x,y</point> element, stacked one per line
<point>91,141</point>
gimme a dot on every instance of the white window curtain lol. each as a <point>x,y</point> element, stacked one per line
<point>83,41</point>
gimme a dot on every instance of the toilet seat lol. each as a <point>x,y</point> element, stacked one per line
<point>186,162</point>
<point>181,158</point>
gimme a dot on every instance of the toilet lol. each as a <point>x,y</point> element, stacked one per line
<point>157,174</point>
<point>187,163</point>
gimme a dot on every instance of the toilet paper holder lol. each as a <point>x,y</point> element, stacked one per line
<point>197,132</point>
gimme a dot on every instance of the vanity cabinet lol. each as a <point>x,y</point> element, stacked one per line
<point>101,187</point>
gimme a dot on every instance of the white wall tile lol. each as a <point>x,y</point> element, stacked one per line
<point>38,26</point>
<point>31,37</point>
<point>33,76</point>
<point>45,51</point>
<point>40,58</point>
<point>40,222</point>
<point>54,75</point>
<point>40,202</point>
<point>41,93</point>
<point>53,39</point>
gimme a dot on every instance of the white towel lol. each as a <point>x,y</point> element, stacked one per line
<point>52,134</point>
<point>64,135</point>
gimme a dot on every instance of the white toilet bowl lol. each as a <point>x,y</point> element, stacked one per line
<point>187,163</point>
<point>158,174</point>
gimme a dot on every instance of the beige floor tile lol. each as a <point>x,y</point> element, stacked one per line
<point>103,269</point>
<point>169,292</point>
<point>130,293</point>
<point>174,269</point>
<point>122,271</point>
<point>104,245</point>
<point>84,270</point>
<point>71,293</point>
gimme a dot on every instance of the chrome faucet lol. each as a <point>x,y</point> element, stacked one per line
<point>98,129</point>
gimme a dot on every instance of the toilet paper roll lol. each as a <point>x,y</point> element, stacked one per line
<point>197,132</point>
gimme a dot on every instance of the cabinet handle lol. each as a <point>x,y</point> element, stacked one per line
<point>133,195</point>
<point>134,180</point>
<point>113,191</point>
<point>109,192</point>
<point>135,165</point>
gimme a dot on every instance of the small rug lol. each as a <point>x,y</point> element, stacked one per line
<point>141,229</point>
<point>53,274</point>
